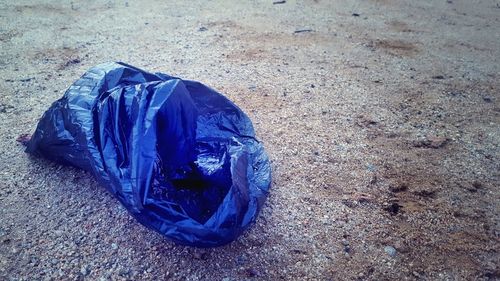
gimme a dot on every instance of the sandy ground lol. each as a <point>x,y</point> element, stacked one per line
<point>381,119</point>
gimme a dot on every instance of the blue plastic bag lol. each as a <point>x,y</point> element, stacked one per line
<point>182,158</point>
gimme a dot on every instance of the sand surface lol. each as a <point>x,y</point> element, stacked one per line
<point>381,119</point>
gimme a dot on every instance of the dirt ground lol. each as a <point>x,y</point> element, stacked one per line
<point>381,117</point>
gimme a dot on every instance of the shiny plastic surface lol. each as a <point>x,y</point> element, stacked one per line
<point>182,158</point>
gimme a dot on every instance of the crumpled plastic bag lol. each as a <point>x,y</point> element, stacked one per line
<point>182,158</point>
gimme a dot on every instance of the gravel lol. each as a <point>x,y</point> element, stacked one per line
<point>378,153</point>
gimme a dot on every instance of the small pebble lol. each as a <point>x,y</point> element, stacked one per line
<point>371,167</point>
<point>124,272</point>
<point>84,270</point>
<point>347,249</point>
<point>252,272</point>
<point>241,260</point>
<point>390,251</point>
<point>200,255</point>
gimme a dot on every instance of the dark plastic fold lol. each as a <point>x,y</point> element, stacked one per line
<point>182,158</point>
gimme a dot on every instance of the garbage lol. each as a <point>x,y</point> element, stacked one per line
<point>182,158</point>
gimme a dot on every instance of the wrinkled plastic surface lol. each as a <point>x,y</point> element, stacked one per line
<point>182,158</point>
